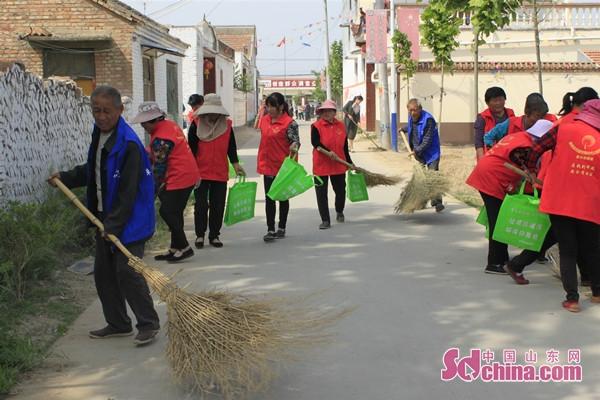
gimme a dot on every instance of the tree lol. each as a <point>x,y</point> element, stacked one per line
<point>403,57</point>
<point>538,56</point>
<point>336,66</point>
<point>241,81</point>
<point>439,28</point>
<point>318,94</point>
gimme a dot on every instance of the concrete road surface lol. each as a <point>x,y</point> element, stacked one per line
<point>419,288</point>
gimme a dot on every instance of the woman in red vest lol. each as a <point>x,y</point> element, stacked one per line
<point>216,146</point>
<point>572,103</point>
<point>279,139</point>
<point>496,113</point>
<point>493,181</point>
<point>330,134</point>
<point>175,175</point>
<point>571,196</point>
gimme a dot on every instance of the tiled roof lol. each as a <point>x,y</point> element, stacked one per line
<point>593,55</point>
<point>515,66</point>
<point>237,42</point>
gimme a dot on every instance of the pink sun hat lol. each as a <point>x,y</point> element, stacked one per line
<point>327,105</point>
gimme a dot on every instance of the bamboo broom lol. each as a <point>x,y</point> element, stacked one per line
<point>361,130</point>
<point>371,178</point>
<point>222,342</point>
<point>424,185</point>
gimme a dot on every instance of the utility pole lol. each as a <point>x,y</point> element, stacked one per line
<point>394,92</point>
<point>327,77</point>
<point>384,98</point>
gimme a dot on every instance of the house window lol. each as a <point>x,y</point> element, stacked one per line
<point>221,76</point>
<point>78,65</point>
<point>148,67</point>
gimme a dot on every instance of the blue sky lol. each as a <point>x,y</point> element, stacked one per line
<point>274,19</point>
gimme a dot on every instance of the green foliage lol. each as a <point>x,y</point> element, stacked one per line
<point>336,66</point>
<point>490,15</point>
<point>34,240</point>
<point>318,94</point>
<point>241,81</point>
<point>403,54</point>
<point>439,28</point>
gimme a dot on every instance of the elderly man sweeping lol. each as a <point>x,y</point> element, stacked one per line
<point>120,193</point>
<point>424,141</point>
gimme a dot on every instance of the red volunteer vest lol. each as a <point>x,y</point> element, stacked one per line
<point>490,176</point>
<point>274,145</point>
<point>515,124</point>
<point>211,157</point>
<point>572,184</point>
<point>333,136</point>
<point>182,171</point>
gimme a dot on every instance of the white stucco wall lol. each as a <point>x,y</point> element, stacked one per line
<point>56,139</point>
<point>225,88</point>
<point>193,61</point>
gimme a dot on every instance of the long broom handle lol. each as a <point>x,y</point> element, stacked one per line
<point>71,196</point>
<point>523,173</point>
<point>410,152</point>
<point>346,163</point>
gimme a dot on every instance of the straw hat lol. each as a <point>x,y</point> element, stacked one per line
<point>327,105</point>
<point>212,105</point>
<point>147,111</point>
<point>540,128</point>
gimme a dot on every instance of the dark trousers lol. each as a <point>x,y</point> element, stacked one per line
<point>117,282</point>
<point>209,208</point>
<point>172,206</point>
<point>338,182</point>
<point>527,257</point>
<point>497,252</point>
<point>271,208</point>
<point>434,165</point>
<point>577,242</point>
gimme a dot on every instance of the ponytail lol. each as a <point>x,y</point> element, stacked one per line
<point>567,104</point>
<point>576,99</point>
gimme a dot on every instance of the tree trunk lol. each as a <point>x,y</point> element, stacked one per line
<point>538,56</point>
<point>476,72</point>
<point>441,103</point>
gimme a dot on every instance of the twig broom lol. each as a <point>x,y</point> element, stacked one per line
<point>424,185</point>
<point>222,342</point>
<point>371,178</point>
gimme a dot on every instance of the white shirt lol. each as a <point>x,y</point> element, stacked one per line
<point>103,138</point>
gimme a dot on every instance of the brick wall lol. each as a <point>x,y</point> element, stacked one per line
<point>68,18</point>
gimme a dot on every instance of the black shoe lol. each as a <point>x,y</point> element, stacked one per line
<point>439,207</point>
<point>340,217</point>
<point>165,256</point>
<point>280,234</point>
<point>145,337</point>
<point>216,242</point>
<point>495,269</point>
<point>109,332</point>
<point>270,236</point>
<point>325,225</point>
<point>199,243</point>
<point>181,255</point>
<point>542,259</point>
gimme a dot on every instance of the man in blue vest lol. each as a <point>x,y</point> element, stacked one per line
<point>120,192</point>
<point>424,141</point>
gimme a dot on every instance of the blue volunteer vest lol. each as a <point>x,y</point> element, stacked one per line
<point>433,152</point>
<point>140,225</point>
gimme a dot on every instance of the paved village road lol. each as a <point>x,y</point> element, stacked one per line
<point>419,288</point>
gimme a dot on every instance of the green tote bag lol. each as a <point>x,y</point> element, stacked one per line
<point>356,187</point>
<point>520,223</point>
<point>241,201</point>
<point>292,180</point>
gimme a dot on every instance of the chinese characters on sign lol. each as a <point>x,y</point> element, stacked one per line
<point>291,83</point>
<point>377,25</point>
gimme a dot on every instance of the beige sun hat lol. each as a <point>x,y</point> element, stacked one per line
<point>147,111</point>
<point>212,105</point>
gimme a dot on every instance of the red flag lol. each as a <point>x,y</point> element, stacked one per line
<point>281,42</point>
